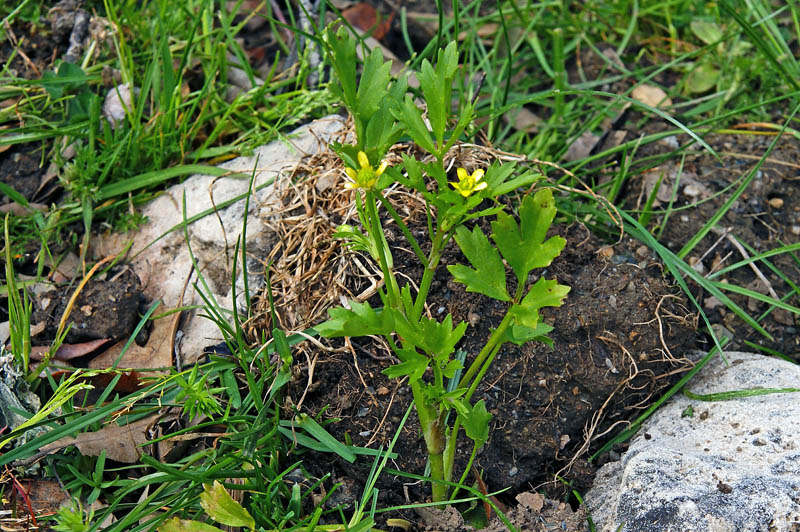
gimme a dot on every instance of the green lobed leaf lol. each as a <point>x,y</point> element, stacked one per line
<point>543,293</point>
<point>220,506</point>
<point>343,58</point>
<point>437,86</point>
<point>437,339</point>
<point>372,87</point>
<point>520,334</point>
<point>488,275</point>
<point>411,117</point>
<point>360,320</point>
<point>523,245</point>
<point>412,365</point>
<point>382,132</point>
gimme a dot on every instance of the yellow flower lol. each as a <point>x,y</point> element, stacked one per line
<point>366,176</point>
<point>467,184</point>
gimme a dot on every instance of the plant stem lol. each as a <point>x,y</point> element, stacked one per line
<point>494,339</point>
<point>466,470</point>
<point>427,276</point>
<point>377,233</point>
<point>433,433</point>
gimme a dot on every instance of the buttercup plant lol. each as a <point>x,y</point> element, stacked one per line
<point>383,111</point>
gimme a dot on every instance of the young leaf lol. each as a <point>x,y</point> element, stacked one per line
<point>411,117</point>
<point>412,364</point>
<point>221,507</point>
<point>373,85</point>
<point>488,275</point>
<point>523,246</point>
<point>438,339</point>
<point>476,423</point>
<point>543,293</point>
<point>519,334</point>
<point>343,57</point>
<point>361,320</point>
<point>437,87</point>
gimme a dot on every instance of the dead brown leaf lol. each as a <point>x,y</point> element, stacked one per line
<point>155,354</point>
<point>121,443</point>
<point>652,96</point>
<point>68,351</point>
<point>364,17</point>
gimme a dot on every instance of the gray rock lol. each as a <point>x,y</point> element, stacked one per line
<point>734,465</point>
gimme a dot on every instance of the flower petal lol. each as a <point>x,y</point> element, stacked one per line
<point>363,160</point>
<point>462,174</point>
<point>477,175</point>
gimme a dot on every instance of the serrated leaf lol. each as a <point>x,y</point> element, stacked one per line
<point>373,84</point>
<point>439,339</point>
<point>437,86</point>
<point>523,245</point>
<point>343,57</point>
<point>185,525</point>
<point>382,130</point>
<point>543,293</point>
<point>221,507</point>
<point>488,275</point>
<point>412,364</point>
<point>476,423</point>
<point>411,117</point>
<point>360,320</point>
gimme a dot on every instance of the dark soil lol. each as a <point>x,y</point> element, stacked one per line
<point>619,340</point>
<point>766,216</point>
<point>107,307</point>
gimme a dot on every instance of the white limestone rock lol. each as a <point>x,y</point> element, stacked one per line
<point>161,257</point>
<point>733,465</point>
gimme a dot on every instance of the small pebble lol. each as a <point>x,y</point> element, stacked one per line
<point>513,471</point>
<point>670,142</point>
<point>365,433</point>
<point>383,390</point>
<point>795,229</point>
<point>363,411</point>
<point>606,252</point>
<point>775,203</point>
<point>697,265</point>
<point>473,318</point>
<point>691,190</point>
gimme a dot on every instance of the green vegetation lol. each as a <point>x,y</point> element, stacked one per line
<point>526,77</point>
